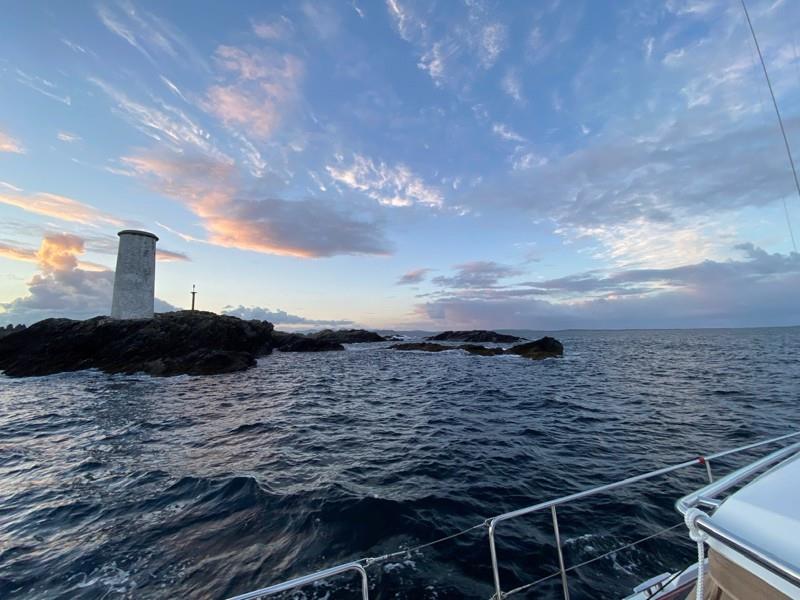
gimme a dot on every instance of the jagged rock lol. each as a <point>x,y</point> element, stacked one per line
<point>546,347</point>
<point>475,336</point>
<point>9,329</point>
<point>347,336</point>
<point>184,342</point>
<point>295,342</point>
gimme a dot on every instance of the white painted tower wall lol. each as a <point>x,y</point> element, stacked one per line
<point>135,278</point>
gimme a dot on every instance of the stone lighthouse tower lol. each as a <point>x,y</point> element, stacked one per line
<point>135,278</point>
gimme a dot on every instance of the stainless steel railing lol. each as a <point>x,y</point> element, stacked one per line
<point>306,579</point>
<point>552,504</point>
<point>702,497</point>
<point>709,497</point>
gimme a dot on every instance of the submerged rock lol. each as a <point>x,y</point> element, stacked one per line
<point>422,346</point>
<point>475,336</point>
<point>184,342</point>
<point>480,350</point>
<point>546,347</point>
<point>429,347</point>
<point>347,336</point>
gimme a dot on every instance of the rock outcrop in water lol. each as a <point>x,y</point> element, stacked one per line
<point>545,347</point>
<point>347,336</point>
<point>185,342</point>
<point>295,342</point>
<point>478,336</point>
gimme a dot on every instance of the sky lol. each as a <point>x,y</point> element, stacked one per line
<point>398,164</point>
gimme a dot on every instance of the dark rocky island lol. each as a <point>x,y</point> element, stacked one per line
<point>347,336</point>
<point>177,343</point>
<point>478,336</point>
<point>545,347</point>
<point>187,343</point>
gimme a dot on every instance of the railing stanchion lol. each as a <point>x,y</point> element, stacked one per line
<point>495,572</point>
<point>564,583</point>
<point>708,470</point>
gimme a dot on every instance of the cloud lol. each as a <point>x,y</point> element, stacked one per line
<point>324,20</point>
<point>306,228</point>
<point>263,87</point>
<point>66,136</point>
<point>9,144</point>
<point>73,46</point>
<point>512,86</point>
<point>279,317</point>
<point>493,41</point>
<point>449,50</point>
<point>391,186</point>
<point>43,86</point>
<point>413,277</point>
<point>164,255</point>
<point>279,29</point>
<point>756,289</point>
<point>503,131</point>
<point>60,207</point>
<point>167,125</point>
<point>17,253</point>
<point>682,182</point>
<point>405,22</point>
<point>477,274</point>
<point>63,287</point>
<point>149,34</point>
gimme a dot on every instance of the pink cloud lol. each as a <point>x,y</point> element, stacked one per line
<point>9,144</point>
<point>60,207</point>
<point>262,87</point>
<point>305,228</point>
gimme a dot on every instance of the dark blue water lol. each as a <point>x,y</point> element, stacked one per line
<point>132,487</point>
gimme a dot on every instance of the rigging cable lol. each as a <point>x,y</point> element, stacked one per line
<point>780,123</point>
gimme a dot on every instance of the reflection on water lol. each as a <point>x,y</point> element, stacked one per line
<point>127,486</point>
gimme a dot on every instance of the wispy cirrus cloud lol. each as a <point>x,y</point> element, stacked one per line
<point>512,86</point>
<point>277,29</point>
<point>504,132</point>
<point>449,53</point>
<point>66,136</point>
<point>9,144</point>
<point>43,86</point>
<point>148,33</point>
<point>165,124</point>
<point>389,185</point>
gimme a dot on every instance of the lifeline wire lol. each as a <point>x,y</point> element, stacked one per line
<point>591,560</point>
<point>377,559</point>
